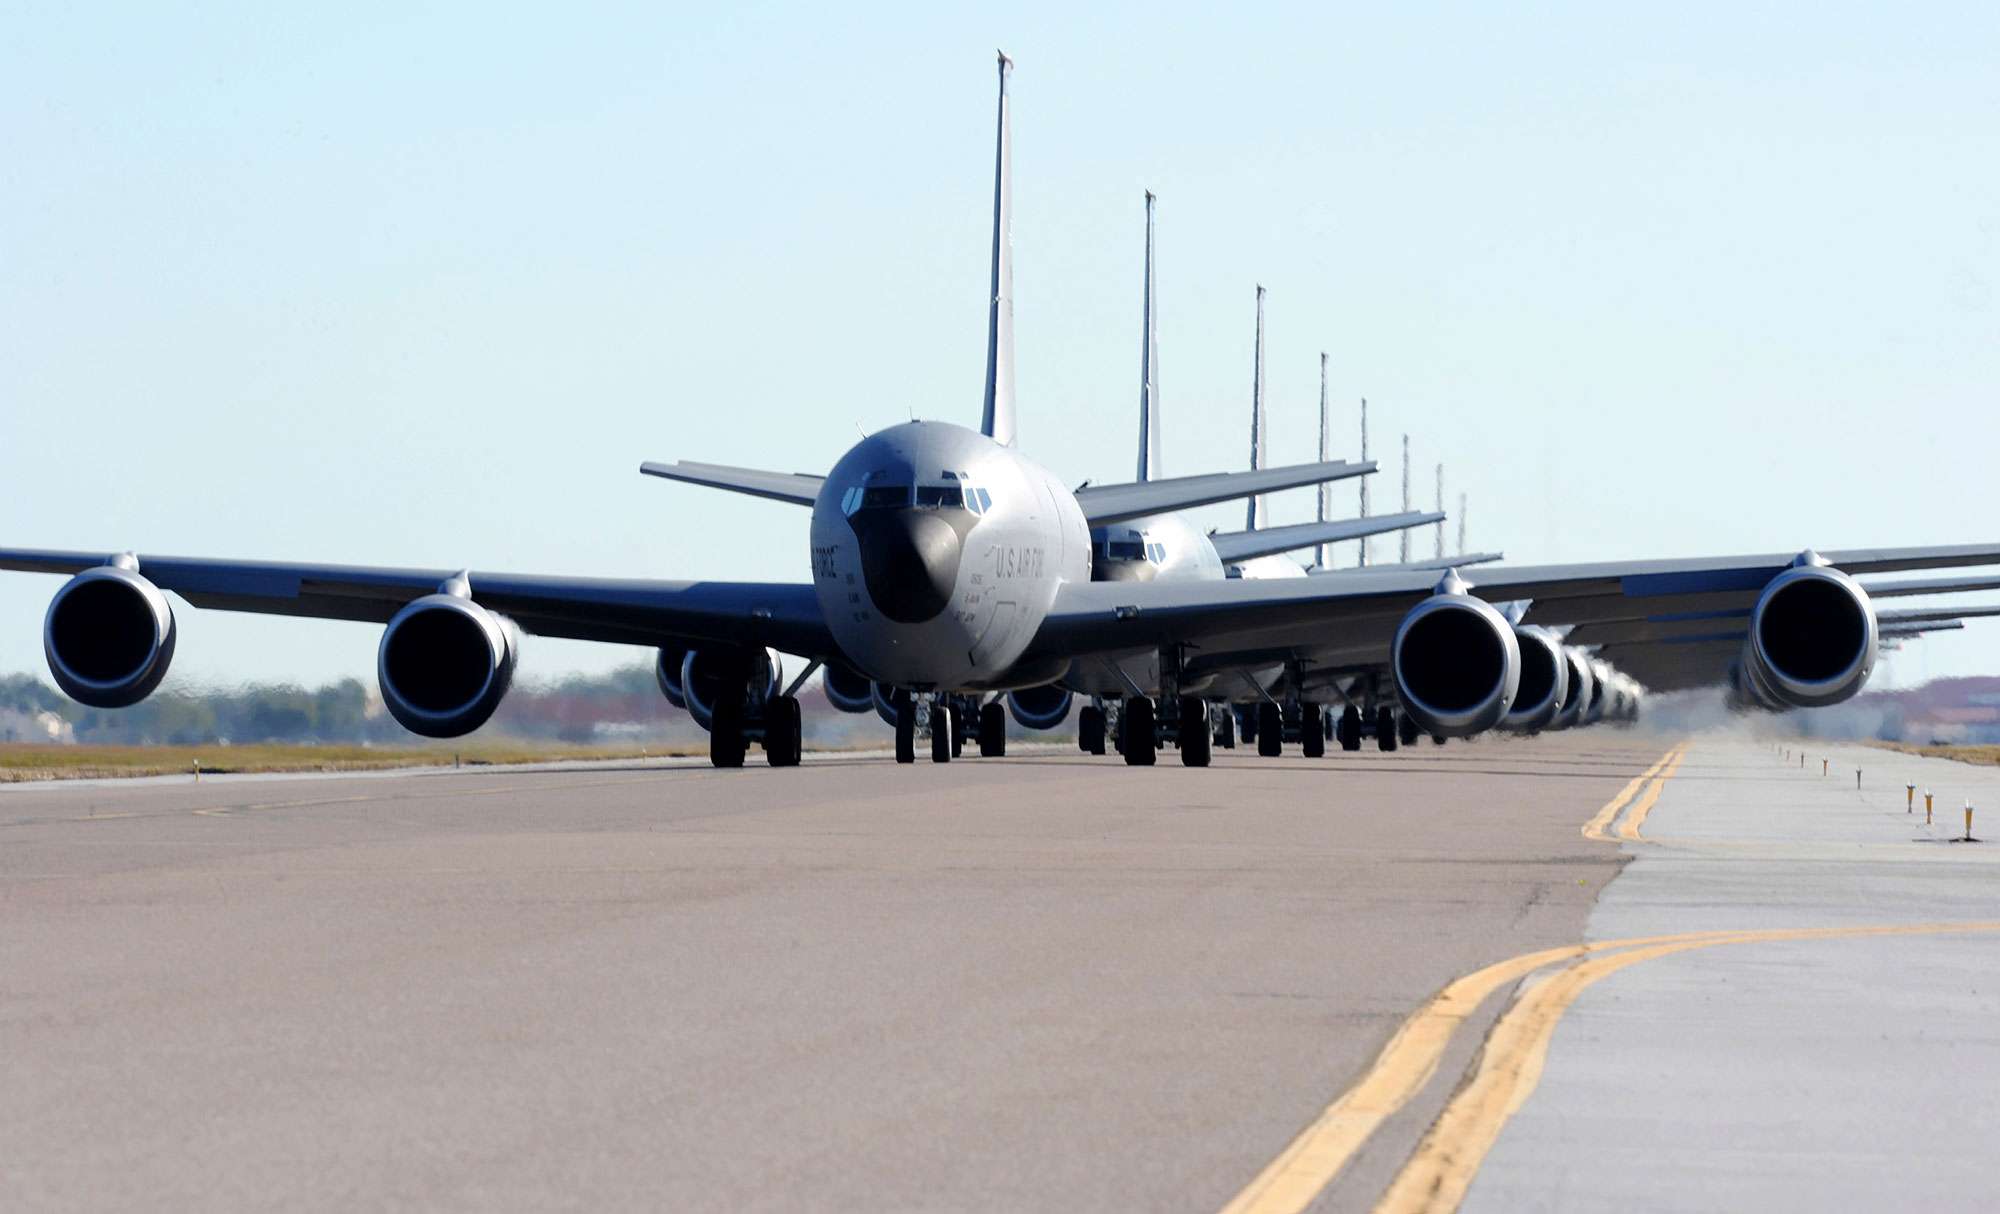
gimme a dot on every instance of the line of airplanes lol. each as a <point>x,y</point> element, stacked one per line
<point>953,581</point>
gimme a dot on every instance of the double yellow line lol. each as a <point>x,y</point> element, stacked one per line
<point>1652,780</point>
<point>1509,1067</point>
<point>1505,1074</point>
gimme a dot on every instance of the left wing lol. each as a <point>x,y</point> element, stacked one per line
<point>798,488</point>
<point>1348,621</point>
<point>781,616</point>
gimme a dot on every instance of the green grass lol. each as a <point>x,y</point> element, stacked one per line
<point>21,761</point>
<point>1986,755</point>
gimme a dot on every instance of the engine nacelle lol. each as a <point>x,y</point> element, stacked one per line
<point>1813,639</point>
<point>1456,663</point>
<point>1544,687</point>
<point>1043,707</point>
<point>1576,697</point>
<point>846,690</point>
<point>667,669</point>
<point>705,673</point>
<point>444,665</point>
<point>109,637</point>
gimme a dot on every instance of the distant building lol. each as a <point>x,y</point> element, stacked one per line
<point>42,727</point>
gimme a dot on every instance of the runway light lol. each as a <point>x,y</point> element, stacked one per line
<point>1927,807</point>
<point>1857,778</point>
<point>1910,802</point>
<point>1823,764</point>
<point>1968,820</point>
<point>197,771</point>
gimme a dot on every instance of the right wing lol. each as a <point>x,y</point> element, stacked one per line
<point>782,616</point>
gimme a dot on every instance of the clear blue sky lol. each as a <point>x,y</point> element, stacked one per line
<point>422,285</point>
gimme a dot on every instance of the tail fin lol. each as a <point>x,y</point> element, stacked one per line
<point>1149,368</point>
<point>1324,555</point>
<point>998,421</point>
<point>1259,513</point>
<point>1363,560</point>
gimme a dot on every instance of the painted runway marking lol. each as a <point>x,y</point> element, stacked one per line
<point>1595,828</point>
<point>1504,1075</point>
<point>1635,818</point>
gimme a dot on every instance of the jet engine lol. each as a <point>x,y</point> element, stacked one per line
<point>444,665</point>
<point>1812,640</point>
<point>1043,707</point>
<point>1544,681</point>
<point>667,669</point>
<point>1456,663</point>
<point>846,690</point>
<point>109,637</point>
<point>704,673</point>
<point>1577,696</point>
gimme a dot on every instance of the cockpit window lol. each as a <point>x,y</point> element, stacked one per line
<point>940,495</point>
<point>885,495</point>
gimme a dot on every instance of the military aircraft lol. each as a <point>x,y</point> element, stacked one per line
<point>944,562</point>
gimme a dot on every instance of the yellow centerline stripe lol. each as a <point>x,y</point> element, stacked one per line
<point>1441,1170</point>
<point>1594,829</point>
<point>1311,1161</point>
<point>1629,828</point>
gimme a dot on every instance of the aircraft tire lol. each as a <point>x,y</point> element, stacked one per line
<point>1349,729</point>
<point>1136,738</point>
<point>1090,730</point>
<point>993,731</point>
<point>940,734</point>
<point>725,731</point>
<point>1196,741</point>
<point>1312,731</point>
<point>1385,728</point>
<point>1270,730</point>
<point>957,731</point>
<point>784,743</point>
<point>906,728</point>
<point>1406,730</point>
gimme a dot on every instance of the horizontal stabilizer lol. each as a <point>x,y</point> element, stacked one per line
<point>1115,503</point>
<point>1885,590</point>
<point>1428,563</point>
<point>797,488</point>
<point>1927,615</point>
<point>1234,546</point>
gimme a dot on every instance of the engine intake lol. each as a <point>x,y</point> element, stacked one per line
<point>667,669</point>
<point>846,690</point>
<point>1577,696</point>
<point>1456,663</point>
<point>109,637</point>
<point>1812,641</point>
<point>707,673</point>
<point>1043,707</point>
<point>445,664</point>
<point>1545,677</point>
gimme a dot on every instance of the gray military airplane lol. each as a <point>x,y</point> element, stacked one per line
<point>945,562</point>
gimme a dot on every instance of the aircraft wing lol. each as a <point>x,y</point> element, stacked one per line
<point>1438,564</point>
<point>1115,503</point>
<point>782,616</point>
<point>1234,546</point>
<point>798,488</point>
<point>1348,621</point>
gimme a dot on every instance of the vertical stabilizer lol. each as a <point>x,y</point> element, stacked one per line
<point>1406,496</point>
<point>1259,512</point>
<point>1461,524</point>
<point>1440,510</point>
<point>998,420</point>
<point>1365,542</point>
<point>1324,557</point>
<point>1149,367</point>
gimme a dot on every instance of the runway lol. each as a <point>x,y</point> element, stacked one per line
<point>1047,981</point>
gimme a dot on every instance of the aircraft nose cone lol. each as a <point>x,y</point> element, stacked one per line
<point>910,559</point>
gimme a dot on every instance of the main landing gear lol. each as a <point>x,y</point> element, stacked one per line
<point>948,721</point>
<point>778,725</point>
